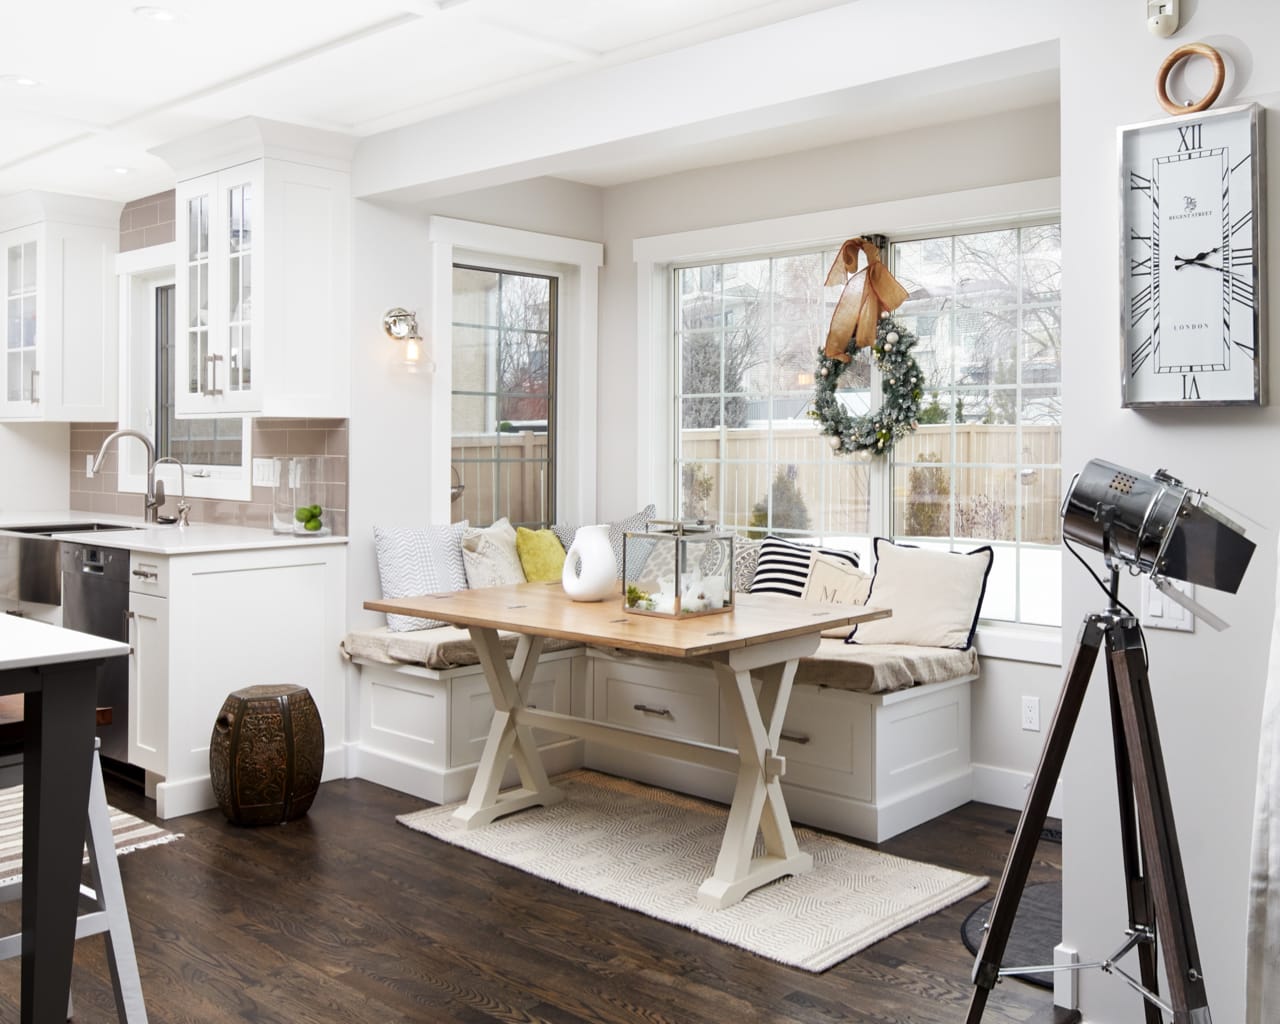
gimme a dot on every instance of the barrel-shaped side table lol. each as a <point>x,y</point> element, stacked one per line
<point>266,754</point>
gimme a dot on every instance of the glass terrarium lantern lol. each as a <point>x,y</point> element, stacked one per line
<point>677,569</point>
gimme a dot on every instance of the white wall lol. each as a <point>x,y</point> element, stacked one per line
<point>34,471</point>
<point>1207,686</point>
<point>391,410</point>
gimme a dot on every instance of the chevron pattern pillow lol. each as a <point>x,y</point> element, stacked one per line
<point>636,521</point>
<point>419,560</point>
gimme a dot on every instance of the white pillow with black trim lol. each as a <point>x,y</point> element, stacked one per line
<point>419,560</point>
<point>934,595</point>
<point>783,566</point>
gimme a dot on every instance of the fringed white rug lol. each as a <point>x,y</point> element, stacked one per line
<point>649,849</point>
<point>130,834</point>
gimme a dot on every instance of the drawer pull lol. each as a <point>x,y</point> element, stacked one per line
<point>795,737</point>
<point>659,712</point>
<point>146,574</point>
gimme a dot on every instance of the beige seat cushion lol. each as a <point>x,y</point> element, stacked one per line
<point>440,648</point>
<point>878,668</point>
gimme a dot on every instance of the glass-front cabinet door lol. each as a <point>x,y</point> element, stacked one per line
<point>21,393</point>
<point>219,245</point>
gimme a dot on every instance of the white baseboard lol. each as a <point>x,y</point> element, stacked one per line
<point>1004,787</point>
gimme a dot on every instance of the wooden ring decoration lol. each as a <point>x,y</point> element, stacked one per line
<point>1181,54</point>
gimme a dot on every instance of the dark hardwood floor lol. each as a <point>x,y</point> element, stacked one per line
<point>345,916</point>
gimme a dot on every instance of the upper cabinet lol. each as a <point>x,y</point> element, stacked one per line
<point>262,298</point>
<point>59,362</point>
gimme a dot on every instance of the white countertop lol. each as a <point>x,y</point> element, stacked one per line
<point>25,642</point>
<point>163,540</point>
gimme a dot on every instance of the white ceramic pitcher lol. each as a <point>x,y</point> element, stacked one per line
<point>590,569</point>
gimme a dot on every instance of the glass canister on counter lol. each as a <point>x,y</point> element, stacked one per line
<point>300,503</point>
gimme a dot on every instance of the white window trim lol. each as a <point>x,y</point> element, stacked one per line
<point>139,273</point>
<point>575,264</point>
<point>949,212</point>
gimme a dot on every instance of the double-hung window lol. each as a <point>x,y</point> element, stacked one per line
<point>984,466</point>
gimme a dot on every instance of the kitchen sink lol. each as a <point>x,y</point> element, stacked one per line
<point>30,567</point>
<point>49,531</point>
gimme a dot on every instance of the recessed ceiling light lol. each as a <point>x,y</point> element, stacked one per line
<point>155,13</point>
<point>25,81</point>
<point>122,170</point>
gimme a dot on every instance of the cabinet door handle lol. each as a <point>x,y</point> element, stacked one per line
<point>659,712</point>
<point>213,361</point>
<point>795,737</point>
<point>146,574</point>
<point>35,388</point>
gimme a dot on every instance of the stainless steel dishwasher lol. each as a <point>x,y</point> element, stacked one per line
<point>95,600</point>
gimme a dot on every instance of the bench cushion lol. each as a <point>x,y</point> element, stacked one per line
<point>439,648</point>
<point>878,668</point>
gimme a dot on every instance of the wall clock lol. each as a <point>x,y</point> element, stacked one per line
<point>1193,224</point>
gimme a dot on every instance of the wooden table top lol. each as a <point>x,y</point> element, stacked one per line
<point>543,609</point>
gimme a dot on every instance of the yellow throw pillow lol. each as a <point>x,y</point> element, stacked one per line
<point>541,555</point>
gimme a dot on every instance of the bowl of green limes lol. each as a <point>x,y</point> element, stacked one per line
<point>308,520</point>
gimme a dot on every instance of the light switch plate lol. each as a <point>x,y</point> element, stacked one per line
<point>1159,612</point>
<point>264,472</point>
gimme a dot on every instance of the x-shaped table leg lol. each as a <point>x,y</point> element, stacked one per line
<point>508,685</point>
<point>758,805</point>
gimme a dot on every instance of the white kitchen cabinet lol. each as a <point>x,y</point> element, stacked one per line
<point>59,293</point>
<point>206,624</point>
<point>261,304</point>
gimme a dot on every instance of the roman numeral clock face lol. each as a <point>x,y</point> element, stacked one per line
<point>1192,218</point>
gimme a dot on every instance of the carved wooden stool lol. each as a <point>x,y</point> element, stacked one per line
<point>266,754</point>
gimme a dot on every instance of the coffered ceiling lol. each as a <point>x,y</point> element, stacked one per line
<point>88,87</point>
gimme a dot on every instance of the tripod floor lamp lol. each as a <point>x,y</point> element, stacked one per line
<point>1150,525</point>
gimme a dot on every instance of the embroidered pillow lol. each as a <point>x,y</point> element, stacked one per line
<point>419,560</point>
<point>541,555</point>
<point>783,567</point>
<point>834,581</point>
<point>935,596</point>
<point>490,556</point>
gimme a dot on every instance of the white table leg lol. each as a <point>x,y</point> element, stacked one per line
<point>758,805</point>
<point>507,737</point>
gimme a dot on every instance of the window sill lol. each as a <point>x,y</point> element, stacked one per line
<point>1041,645</point>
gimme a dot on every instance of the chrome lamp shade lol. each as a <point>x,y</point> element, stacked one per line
<point>1155,525</point>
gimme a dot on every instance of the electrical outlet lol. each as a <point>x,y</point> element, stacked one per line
<point>1031,714</point>
<point>88,465</point>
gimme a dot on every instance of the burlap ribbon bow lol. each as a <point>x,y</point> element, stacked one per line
<point>866,295</point>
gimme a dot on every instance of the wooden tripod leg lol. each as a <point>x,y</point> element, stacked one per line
<point>1163,861</point>
<point>986,968</point>
<point>1137,885</point>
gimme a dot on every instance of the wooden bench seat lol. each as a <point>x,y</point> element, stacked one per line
<point>876,737</point>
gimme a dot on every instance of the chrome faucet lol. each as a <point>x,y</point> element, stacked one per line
<point>155,491</point>
<point>184,509</point>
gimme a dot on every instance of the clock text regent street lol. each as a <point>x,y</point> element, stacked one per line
<point>1190,216</point>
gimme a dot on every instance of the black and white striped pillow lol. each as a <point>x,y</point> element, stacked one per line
<point>784,566</point>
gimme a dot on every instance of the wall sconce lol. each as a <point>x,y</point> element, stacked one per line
<point>401,325</point>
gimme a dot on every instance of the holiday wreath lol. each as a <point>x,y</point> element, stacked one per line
<point>900,379</point>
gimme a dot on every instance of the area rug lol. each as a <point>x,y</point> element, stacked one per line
<point>648,850</point>
<point>130,834</point>
<point>1037,929</point>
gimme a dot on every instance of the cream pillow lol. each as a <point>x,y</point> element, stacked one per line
<point>934,595</point>
<point>490,556</point>
<point>833,580</point>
